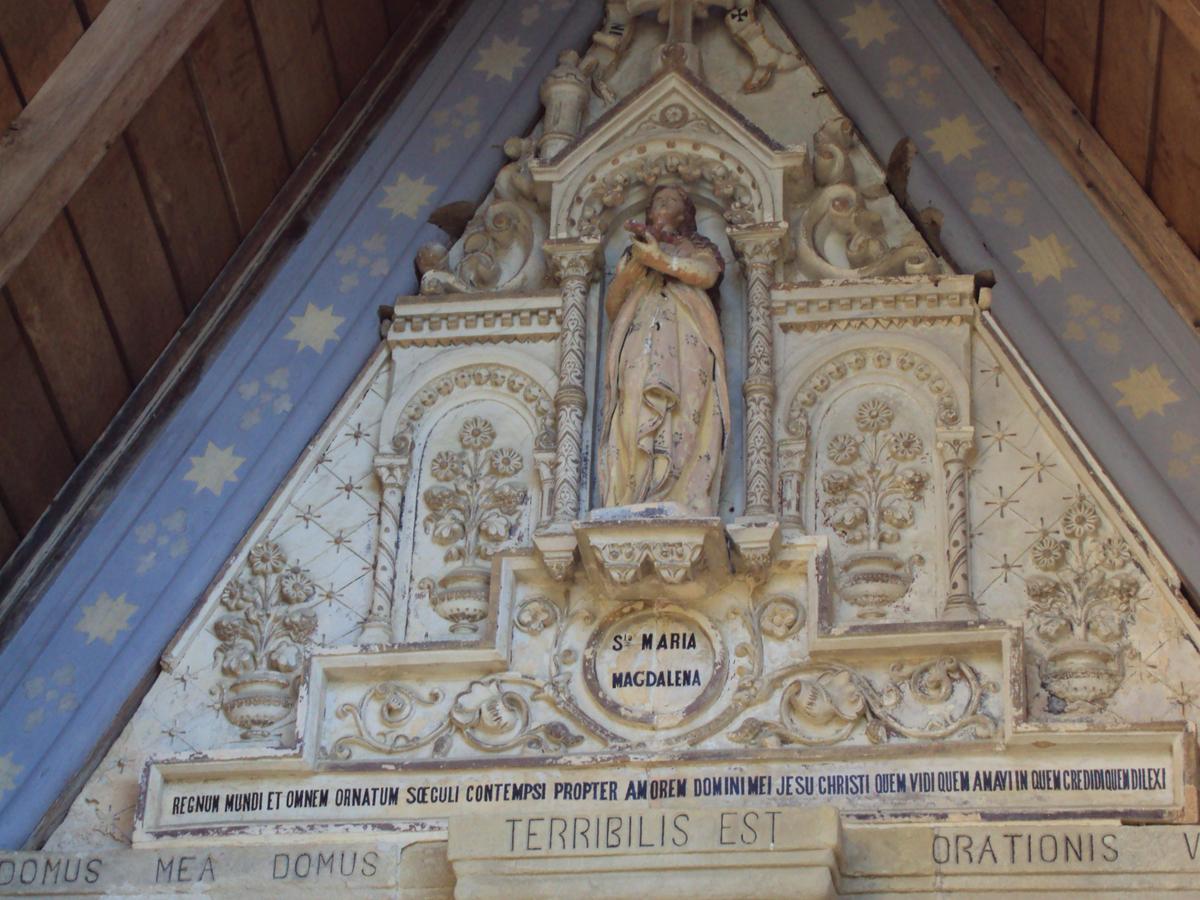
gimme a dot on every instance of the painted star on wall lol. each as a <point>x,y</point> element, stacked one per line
<point>868,24</point>
<point>9,771</point>
<point>406,197</point>
<point>315,328</point>
<point>501,59</point>
<point>953,138</point>
<point>215,468</point>
<point>106,618</point>
<point>1145,391</point>
<point>1044,258</point>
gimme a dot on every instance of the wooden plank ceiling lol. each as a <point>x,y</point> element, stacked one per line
<point>1132,68</point>
<point>104,290</point>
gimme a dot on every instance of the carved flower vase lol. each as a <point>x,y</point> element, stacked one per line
<point>873,580</point>
<point>256,701</point>
<point>460,597</point>
<point>1082,674</point>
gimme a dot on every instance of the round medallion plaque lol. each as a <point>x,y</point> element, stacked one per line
<point>654,665</point>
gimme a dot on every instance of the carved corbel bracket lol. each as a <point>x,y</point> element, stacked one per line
<point>755,543</point>
<point>661,556</point>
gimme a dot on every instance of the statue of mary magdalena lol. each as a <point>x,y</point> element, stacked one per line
<point>666,416</point>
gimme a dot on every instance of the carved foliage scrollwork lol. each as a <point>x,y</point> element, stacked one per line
<point>837,234</point>
<point>492,715</point>
<point>1081,607</point>
<point>825,705</point>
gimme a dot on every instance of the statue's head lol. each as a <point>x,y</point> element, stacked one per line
<point>671,211</point>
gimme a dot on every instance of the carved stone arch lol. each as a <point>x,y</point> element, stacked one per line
<point>494,378</point>
<point>935,376</point>
<point>710,167</point>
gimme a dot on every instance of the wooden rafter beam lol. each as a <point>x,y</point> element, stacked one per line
<point>1134,217</point>
<point>64,132</point>
<point>1184,15</point>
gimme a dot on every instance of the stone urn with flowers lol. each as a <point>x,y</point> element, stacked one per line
<point>1081,607</point>
<point>264,637</point>
<point>868,501</point>
<point>473,512</point>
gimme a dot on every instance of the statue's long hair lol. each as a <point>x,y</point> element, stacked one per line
<point>687,229</point>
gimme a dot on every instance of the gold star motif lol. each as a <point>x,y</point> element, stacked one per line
<point>214,468</point>
<point>315,328</point>
<point>406,197</point>
<point>9,771</point>
<point>1146,391</point>
<point>868,24</point>
<point>1044,258</point>
<point>954,138</point>
<point>106,618</point>
<point>502,59</point>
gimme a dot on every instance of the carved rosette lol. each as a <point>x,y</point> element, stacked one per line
<point>574,265</point>
<point>758,247</point>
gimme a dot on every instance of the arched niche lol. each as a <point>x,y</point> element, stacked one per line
<point>863,458</point>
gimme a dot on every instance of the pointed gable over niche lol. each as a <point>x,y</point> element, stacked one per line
<point>674,128</point>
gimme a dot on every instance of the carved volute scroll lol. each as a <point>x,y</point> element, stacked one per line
<point>838,232</point>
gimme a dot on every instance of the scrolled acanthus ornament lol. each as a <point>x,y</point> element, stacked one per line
<point>837,234</point>
<point>826,705</point>
<point>491,715</point>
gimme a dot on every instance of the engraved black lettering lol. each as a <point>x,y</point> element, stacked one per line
<point>1109,842</point>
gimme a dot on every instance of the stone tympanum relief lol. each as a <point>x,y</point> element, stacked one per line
<point>920,566</point>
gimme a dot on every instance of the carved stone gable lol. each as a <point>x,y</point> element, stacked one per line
<point>906,578</point>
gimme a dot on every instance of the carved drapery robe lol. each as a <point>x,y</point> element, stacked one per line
<point>666,416</point>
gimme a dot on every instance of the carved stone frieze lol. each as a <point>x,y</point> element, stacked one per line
<point>265,632</point>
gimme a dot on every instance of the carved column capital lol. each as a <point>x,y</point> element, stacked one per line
<point>572,260</point>
<point>760,244</point>
<point>956,445</point>
<point>392,470</point>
